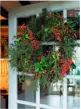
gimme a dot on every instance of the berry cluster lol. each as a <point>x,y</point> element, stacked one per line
<point>56,32</point>
<point>39,57</point>
<point>35,43</point>
<point>65,27</point>
<point>66,66</point>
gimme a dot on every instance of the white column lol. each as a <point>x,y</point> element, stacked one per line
<point>65,15</point>
<point>65,93</point>
<point>12,73</point>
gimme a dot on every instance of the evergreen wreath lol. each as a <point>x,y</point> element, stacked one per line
<point>45,48</point>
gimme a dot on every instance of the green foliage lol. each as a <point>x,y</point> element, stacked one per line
<point>75,21</point>
<point>25,53</point>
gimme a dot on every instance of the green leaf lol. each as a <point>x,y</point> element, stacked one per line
<point>43,59</point>
<point>27,36</point>
<point>78,72</point>
<point>55,56</point>
<point>18,39</point>
<point>73,66</point>
<point>37,67</point>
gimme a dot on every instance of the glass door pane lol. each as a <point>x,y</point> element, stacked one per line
<point>25,90</point>
<point>52,95</point>
<point>21,106</point>
<point>73,91</point>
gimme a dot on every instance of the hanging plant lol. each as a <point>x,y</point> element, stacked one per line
<point>28,55</point>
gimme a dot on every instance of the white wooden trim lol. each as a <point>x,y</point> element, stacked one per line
<point>65,15</point>
<point>34,9</point>
<point>38,90</point>
<point>48,107</point>
<point>26,74</point>
<point>49,43</point>
<point>12,88</point>
<point>38,96</point>
<point>65,93</point>
<point>68,76</point>
<point>35,105</point>
<point>26,103</point>
<point>73,77</point>
<point>12,72</point>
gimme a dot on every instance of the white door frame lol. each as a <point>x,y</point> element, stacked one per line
<point>25,11</point>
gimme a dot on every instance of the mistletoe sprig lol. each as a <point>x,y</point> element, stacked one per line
<point>27,53</point>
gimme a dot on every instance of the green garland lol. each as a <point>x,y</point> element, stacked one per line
<point>45,48</point>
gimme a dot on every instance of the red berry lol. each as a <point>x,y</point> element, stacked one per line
<point>75,35</point>
<point>23,26</point>
<point>39,58</point>
<point>33,68</point>
<point>30,33</point>
<point>36,76</point>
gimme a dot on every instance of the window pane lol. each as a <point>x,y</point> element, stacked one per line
<point>73,91</point>
<point>74,16</point>
<point>73,12</point>
<point>21,106</point>
<point>25,90</point>
<point>52,95</point>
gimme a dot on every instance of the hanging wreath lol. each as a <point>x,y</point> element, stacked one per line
<point>45,48</point>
